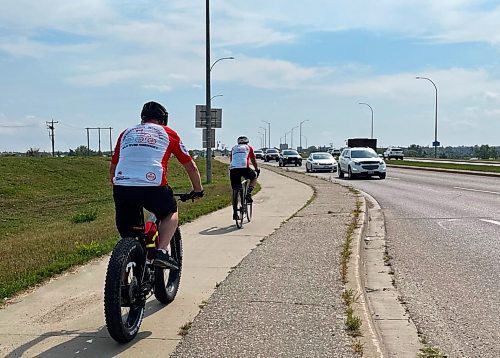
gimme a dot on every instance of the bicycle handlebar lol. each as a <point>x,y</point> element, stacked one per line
<point>190,196</point>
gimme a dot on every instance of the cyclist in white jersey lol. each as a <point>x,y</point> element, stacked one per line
<point>138,172</point>
<point>241,155</point>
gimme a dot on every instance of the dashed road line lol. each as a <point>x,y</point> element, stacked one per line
<point>477,190</point>
<point>491,221</point>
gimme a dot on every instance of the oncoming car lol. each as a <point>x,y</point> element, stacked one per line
<point>321,161</point>
<point>259,154</point>
<point>290,156</point>
<point>272,154</point>
<point>360,161</point>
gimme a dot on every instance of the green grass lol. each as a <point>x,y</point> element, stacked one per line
<point>58,212</point>
<point>479,168</point>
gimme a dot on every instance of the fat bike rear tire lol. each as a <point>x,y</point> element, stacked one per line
<point>167,281</point>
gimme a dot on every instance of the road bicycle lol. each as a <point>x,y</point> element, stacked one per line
<point>131,278</point>
<point>241,206</point>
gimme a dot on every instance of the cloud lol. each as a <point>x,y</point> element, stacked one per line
<point>159,88</point>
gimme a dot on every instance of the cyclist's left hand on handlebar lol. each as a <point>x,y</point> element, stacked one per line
<point>258,172</point>
<point>196,194</point>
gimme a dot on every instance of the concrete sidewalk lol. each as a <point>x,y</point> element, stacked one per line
<point>64,318</point>
<point>284,298</point>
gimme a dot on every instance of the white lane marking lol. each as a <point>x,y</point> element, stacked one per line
<point>480,191</point>
<point>491,221</point>
<point>394,178</point>
<point>440,223</point>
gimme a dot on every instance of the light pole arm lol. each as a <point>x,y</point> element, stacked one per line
<point>435,114</point>
<point>220,59</point>
<point>366,104</point>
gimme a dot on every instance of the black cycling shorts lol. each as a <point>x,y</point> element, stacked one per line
<point>130,201</point>
<point>235,175</point>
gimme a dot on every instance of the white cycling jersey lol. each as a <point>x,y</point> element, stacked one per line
<point>240,156</point>
<point>142,153</point>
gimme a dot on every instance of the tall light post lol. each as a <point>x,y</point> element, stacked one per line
<point>300,131</point>
<point>265,134</point>
<point>268,133</point>
<point>262,141</point>
<point>208,70</point>
<point>366,104</point>
<point>291,141</point>
<point>306,141</point>
<point>285,138</point>
<point>436,143</point>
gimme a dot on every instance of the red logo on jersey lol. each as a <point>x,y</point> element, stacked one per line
<point>150,176</point>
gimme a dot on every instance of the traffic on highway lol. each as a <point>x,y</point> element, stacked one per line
<point>443,240</point>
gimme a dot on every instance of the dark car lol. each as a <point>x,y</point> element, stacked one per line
<point>272,154</point>
<point>289,156</point>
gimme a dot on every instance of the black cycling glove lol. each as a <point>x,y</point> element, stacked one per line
<point>197,194</point>
<point>258,172</point>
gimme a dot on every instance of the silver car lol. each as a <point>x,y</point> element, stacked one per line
<point>321,161</point>
<point>361,161</point>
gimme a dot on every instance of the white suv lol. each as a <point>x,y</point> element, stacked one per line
<point>360,161</point>
<point>393,152</point>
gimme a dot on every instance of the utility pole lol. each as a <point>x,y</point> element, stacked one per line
<point>50,126</point>
<point>99,138</point>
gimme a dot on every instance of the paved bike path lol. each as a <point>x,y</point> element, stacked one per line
<point>64,318</point>
<point>284,298</point>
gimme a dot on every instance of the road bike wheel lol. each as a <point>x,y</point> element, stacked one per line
<point>167,281</point>
<point>249,211</point>
<point>238,206</point>
<point>123,300</point>
<point>243,204</point>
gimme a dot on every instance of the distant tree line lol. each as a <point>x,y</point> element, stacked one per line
<point>481,152</point>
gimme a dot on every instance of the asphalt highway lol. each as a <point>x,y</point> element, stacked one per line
<point>443,237</point>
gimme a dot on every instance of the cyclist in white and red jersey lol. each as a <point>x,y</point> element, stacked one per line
<point>138,172</point>
<point>241,155</point>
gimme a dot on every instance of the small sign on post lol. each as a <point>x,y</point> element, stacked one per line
<point>201,117</point>
<point>212,138</point>
<point>436,144</point>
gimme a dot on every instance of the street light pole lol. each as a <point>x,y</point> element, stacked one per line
<point>300,131</point>
<point>265,135</point>
<point>306,141</point>
<point>285,138</point>
<point>208,113</point>
<point>436,143</point>
<point>291,141</point>
<point>366,104</point>
<point>269,132</point>
<point>262,145</point>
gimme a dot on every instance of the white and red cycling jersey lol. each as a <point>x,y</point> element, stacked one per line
<point>142,153</point>
<point>240,156</point>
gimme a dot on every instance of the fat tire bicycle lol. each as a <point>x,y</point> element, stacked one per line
<point>131,278</point>
<point>241,206</point>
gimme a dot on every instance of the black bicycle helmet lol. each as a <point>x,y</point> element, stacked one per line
<point>243,140</point>
<point>154,110</point>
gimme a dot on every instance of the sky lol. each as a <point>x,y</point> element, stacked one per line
<point>303,67</point>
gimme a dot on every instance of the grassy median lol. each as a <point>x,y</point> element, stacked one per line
<point>437,164</point>
<point>58,212</point>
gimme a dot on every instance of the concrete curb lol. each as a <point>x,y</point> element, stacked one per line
<point>393,326</point>
<point>387,329</point>
<point>468,172</point>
